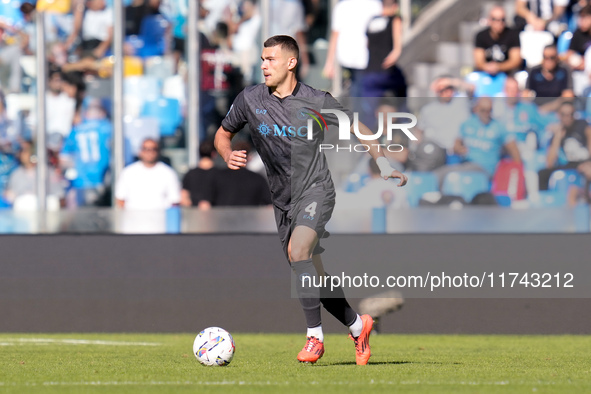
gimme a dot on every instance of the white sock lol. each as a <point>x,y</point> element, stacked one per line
<point>316,332</point>
<point>356,327</point>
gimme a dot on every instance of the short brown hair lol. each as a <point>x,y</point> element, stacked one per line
<point>286,43</point>
<point>585,11</point>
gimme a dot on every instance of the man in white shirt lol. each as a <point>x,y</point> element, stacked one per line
<point>455,111</point>
<point>61,108</point>
<point>288,18</point>
<point>94,22</point>
<point>348,39</point>
<point>148,184</point>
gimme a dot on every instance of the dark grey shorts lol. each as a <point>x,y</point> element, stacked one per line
<point>313,209</point>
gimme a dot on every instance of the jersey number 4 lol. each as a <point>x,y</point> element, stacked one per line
<point>311,209</point>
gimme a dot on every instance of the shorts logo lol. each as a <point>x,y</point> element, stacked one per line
<point>264,129</point>
<point>261,111</point>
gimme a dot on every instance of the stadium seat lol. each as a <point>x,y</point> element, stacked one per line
<point>56,6</point>
<point>487,85</point>
<point>509,180</point>
<point>355,182</point>
<point>98,87</point>
<point>132,66</point>
<point>465,184</point>
<point>418,184</point>
<point>564,41</point>
<point>168,112</point>
<point>153,35</point>
<point>562,180</point>
<point>10,12</point>
<point>548,199</point>
<point>138,129</point>
<point>453,159</point>
<point>175,87</point>
<point>161,67</point>
<point>4,204</point>
<point>532,46</point>
<point>142,87</point>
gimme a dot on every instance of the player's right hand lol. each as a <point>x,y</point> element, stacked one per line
<point>237,160</point>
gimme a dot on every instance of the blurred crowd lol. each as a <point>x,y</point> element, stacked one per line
<point>512,129</point>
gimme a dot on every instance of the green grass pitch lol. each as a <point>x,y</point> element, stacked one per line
<point>265,363</point>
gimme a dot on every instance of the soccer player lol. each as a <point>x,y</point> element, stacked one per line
<point>301,186</point>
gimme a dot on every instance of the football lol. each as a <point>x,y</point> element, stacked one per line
<point>214,346</point>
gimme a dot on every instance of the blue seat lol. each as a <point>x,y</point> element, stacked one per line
<point>168,112</point>
<point>153,34</point>
<point>453,159</point>
<point>549,199</point>
<point>465,184</point>
<point>4,204</point>
<point>564,42</point>
<point>487,85</point>
<point>143,87</point>
<point>561,180</point>
<point>10,12</point>
<point>355,182</point>
<point>418,184</point>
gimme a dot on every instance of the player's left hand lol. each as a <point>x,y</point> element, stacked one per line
<point>397,174</point>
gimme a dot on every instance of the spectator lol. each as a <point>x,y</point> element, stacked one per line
<point>148,184</point>
<point>136,12</point>
<point>288,18</point>
<point>240,187</point>
<point>550,80</point>
<point>398,160</point>
<point>22,183</point>
<point>178,16</point>
<point>384,41</point>
<point>377,193</point>
<point>28,10</point>
<point>94,24</point>
<point>61,108</point>
<point>455,111</point>
<point>8,162</point>
<point>575,193</point>
<point>497,48</point>
<point>570,144</point>
<point>198,182</point>
<point>348,40</point>
<point>86,155</point>
<point>12,43</point>
<point>580,41</point>
<point>520,117</point>
<point>480,143</point>
<point>540,14</point>
<point>243,38</point>
<point>7,129</point>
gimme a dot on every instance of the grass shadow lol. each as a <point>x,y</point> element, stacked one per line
<point>387,363</point>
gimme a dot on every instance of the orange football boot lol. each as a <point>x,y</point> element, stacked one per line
<point>312,352</point>
<point>362,350</point>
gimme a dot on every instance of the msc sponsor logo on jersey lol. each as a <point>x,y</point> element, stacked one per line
<point>293,131</point>
<point>282,131</point>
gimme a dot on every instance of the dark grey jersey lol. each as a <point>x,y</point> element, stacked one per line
<point>280,134</point>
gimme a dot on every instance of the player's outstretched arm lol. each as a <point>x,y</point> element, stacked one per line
<point>235,159</point>
<point>386,170</point>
